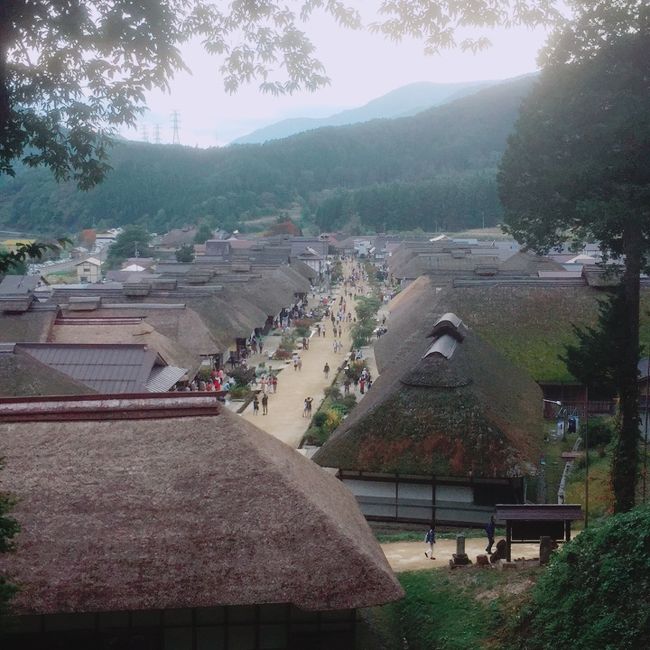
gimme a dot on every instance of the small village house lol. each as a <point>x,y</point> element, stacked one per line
<point>89,270</point>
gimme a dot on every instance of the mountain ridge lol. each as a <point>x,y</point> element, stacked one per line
<point>401,102</point>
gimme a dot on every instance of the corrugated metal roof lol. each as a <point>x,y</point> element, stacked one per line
<point>104,368</point>
<point>162,378</point>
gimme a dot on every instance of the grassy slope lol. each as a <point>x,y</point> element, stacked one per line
<point>449,610</point>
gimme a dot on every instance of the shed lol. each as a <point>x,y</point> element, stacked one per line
<point>526,524</point>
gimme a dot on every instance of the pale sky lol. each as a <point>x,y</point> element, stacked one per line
<point>361,66</point>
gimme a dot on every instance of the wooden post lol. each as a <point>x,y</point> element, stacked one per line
<point>508,540</point>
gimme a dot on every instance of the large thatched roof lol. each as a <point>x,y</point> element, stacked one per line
<point>172,502</point>
<point>473,413</point>
<point>177,334</point>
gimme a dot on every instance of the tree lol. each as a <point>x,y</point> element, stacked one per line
<point>203,233</point>
<point>8,530</point>
<point>10,260</point>
<point>72,71</point>
<point>185,253</point>
<point>577,168</point>
<point>133,241</point>
<point>594,359</point>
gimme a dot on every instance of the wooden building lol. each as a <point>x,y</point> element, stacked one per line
<point>168,522</point>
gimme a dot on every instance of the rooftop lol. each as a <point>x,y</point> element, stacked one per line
<point>170,502</point>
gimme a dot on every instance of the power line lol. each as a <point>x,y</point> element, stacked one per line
<point>176,122</point>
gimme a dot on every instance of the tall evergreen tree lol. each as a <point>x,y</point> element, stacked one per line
<point>578,168</point>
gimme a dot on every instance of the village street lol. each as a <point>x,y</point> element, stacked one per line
<point>285,418</point>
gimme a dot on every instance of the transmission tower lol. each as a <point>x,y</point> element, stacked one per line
<point>176,122</point>
<point>144,132</point>
<point>156,133</point>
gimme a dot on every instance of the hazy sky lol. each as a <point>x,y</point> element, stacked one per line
<point>361,66</point>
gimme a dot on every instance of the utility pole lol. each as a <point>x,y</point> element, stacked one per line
<point>176,122</point>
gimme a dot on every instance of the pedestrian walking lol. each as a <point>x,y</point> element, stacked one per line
<point>326,370</point>
<point>256,406</point>
<point>340,331</point>
<point>346,386</point>
<point>362,384</point>
<point>265,404</point>
<point>490,527</point>
<point>264,383</point>
<point>430,540</point>
<point>299,364</point>
<point>274,381</point>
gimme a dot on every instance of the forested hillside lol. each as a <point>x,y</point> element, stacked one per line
<point>391,172</point>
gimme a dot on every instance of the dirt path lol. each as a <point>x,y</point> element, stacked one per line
<point>409,556</point>
<point>284,419</point>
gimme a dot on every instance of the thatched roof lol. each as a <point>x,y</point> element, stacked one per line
<point>22,375</point>
<point>176,504</point>
<point>178,335</point>
<point>33,325</point>
<point>459,410</point>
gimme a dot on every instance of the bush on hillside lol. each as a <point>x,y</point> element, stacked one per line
<point>601,431</point>
<point>596,591</point>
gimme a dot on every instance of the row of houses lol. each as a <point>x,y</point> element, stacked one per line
<point>186,326</point>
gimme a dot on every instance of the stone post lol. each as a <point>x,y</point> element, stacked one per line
<point>459,557</point>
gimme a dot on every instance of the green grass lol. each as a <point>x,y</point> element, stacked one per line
<point>449,610</point>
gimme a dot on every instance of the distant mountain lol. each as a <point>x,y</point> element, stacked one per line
<point>401,173</point>
<point>402,102</point>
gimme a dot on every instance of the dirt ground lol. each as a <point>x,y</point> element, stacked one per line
<point>285,420</point>
<point>409,556</point>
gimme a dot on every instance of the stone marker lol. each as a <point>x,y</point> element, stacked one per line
<point>482,560</point>
<point>460,557</point>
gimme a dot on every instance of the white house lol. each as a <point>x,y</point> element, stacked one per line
<point>89,270</point>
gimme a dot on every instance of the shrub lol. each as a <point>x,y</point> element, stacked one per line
<point>288,342</point>
<point>242,376</point>
<point>595,592</point>
<point>302,331</point>
<point>315,436</point>
<point>332,392</point>
<point>240,392</point>
<point>333,418</point>
<point>349,402</point>
<point>319,419</point>
<point>601,431</point>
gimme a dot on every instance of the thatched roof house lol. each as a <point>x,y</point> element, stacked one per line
<point>172,503</point>
<point>447,407</point>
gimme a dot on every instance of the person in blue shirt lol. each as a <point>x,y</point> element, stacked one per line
<point>430,540</point>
